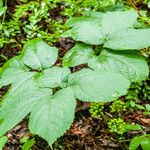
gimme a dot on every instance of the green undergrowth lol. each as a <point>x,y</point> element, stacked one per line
<point>43,18</point>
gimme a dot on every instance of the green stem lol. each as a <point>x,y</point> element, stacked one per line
<point>4,12</point>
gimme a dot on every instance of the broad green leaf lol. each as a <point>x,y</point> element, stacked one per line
<point>12,71</point>
<point>145,143</point>
<point>98,27</point>
<point>2,10</point>
<point>135,142</point>
<point>38,55</point>
<point>118,20</point>
<point>19,101</point>
<point>128,63</point>
<point>87,32</point>
<point>53,116</point>
<point>129,39</point>
<point>76,21</point>
<point>79,54</point>
<point>27,145</point>
<point>53,77</point>
<point>93,86</point>
<point>3,140</point>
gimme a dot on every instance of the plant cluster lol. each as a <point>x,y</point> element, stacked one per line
<point>96,110</point>
<point>117,125</point>
<point>118,106</point>
<point>48,93</point>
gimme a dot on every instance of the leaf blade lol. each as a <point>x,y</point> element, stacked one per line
<point>87,32</point>
<point>38,55</point>
<point>93,86</point>
<point>11,71</point>
<point>130,39</point>
<point>53,77</point>
<point>130,64</point>
<point>78,55</point>
<point>57,108</point>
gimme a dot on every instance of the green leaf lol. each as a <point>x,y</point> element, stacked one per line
<point>76,21</point>
<point>19,101</point>
<point>53,116</point>
<point>97,28</point>
<point>118,20</point>
<point>135,143</point>
<point>93,86</point>
<point>87,32</point>
<point>130,127</point>
<point>144,140</point>
<point>95,14</point>
<point>12,71</point>
<point>3,140</point>
<point>53,77</point>
<point>129,39</point>
<point>79,54</point>
<point>27,145</point>
<point>38,55</point>
<point>145,144</point>
<point>130,64</point>
<point>3,10</point>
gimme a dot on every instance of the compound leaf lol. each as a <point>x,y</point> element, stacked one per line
<point>79,54</point>
<point>53,116</point>
<point>38,55</point>
<point>93,86</point>
<point>53,77</point>
<point>130,64</point>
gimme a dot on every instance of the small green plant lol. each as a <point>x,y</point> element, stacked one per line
<point>136,93</point>
<point>96,110</point>
<point>143,141</point>
<point>117,125</point>
<point>28,144</point>
<point>118,106</point>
